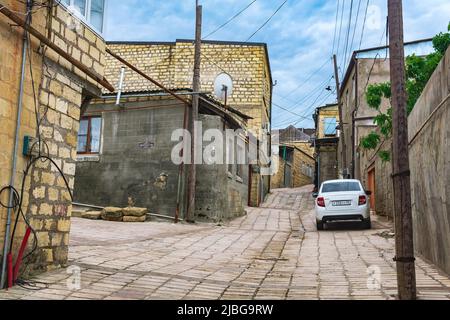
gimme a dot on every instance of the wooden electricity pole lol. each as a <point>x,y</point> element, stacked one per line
<point>404,246</point>
<point>194,118</point>
<point>341,116</point>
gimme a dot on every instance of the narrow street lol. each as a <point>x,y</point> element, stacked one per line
<point>273,253</point>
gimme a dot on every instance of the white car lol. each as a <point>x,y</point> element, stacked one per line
<point>342,200</point>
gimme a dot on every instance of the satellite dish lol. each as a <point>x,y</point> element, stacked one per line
<point>223,86</point>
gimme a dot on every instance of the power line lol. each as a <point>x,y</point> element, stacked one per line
<point>304,116</point>
<point>285,109</point>
<point>356,26</point>
<point>317,89</point>
<point>335,27</point>
<point>322,85</point>
<point>267,21</point>
<point>229,20</point>
<point>340,28</point>
<point>309,78</point>
<point>347,38</point>
<point>364,24</point>
<point>321,103</point>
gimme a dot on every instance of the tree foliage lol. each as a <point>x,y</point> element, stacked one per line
<point>418,72</point>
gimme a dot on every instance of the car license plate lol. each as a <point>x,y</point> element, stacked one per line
<point>343,203</point>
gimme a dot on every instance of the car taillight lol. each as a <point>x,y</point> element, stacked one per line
<point>362,200</point>
<point>321,202</point>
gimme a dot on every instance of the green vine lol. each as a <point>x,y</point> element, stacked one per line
<point>418,72</point>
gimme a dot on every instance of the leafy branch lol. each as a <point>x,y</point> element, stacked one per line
<point>418,72</point>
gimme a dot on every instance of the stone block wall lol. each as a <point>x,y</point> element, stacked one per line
<point>301,162</point>
<point>171,63</point>
<point>60,90</point>
<point>277,180</point>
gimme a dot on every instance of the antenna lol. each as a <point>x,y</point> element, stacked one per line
<point>223,87</point>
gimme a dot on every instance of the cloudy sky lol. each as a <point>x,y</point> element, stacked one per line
<point>300,37</point>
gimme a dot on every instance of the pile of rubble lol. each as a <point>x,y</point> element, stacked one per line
<point>129,214</point>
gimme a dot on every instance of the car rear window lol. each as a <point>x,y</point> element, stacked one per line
<point>341,187</point>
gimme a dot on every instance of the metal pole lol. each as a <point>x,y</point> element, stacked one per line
<point>404,246</point>
<point>195,106</point>
<point>119,92</point>
<point>16,148</point>
<point>341,116</point>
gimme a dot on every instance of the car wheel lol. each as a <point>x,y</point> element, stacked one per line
<point>319,225</point>
<point>367,224</point>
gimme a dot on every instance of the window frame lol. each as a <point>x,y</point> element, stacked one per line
<point>327,125</point>
<point>86,17</point>
<point>88,149</point>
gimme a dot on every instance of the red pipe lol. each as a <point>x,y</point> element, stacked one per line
<point>10,271</point>
<point>20,256</point>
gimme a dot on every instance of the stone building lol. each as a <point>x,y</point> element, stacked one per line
<point>54,92</point>
<point>368,66</point>
<point>126,151</point>
<point>295,168</point>
<point>171,63</point>
<point>326,144</point>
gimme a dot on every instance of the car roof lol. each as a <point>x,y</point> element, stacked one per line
<point>341,181</point>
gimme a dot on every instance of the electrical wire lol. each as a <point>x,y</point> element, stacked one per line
<point>347,38</point>
<point>307,79</point>
<point>317,90</point>
<point>356,26</point>
<point>229,20</point>
<point>267,21</point>
<point>364,25</point>
<point>335,27</point>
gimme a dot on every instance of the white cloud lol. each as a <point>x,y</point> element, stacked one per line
<point>300,36</point>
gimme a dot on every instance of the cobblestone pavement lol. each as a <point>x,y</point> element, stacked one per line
<point>275,252</point>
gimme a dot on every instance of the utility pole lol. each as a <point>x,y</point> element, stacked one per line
<point>341,116</point>
<point>404,246</point>
<point>194,117</point>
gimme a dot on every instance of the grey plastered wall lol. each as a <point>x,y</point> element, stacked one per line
<point>328,164</point>
<point>429,134</point>
<point>220,194</point>
<point>135,158</point>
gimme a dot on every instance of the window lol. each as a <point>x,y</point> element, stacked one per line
<point>91,11</point>
<point>89,135</point>
<point>341,187</point>
<point>330,125</point>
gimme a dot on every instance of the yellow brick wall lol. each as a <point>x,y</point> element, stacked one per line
<point>59,92</point>
<point>300,179</point>
<point>172,65</point>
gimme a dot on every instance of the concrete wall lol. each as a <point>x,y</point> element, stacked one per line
<point>221,193</point>
<point>136,156</point>
<point>135,153</point>
<point>429,134</point>
<point>60,90</point>
<point>328,163</point>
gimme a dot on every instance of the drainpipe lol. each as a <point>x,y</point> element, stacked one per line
<point>16,148</point>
